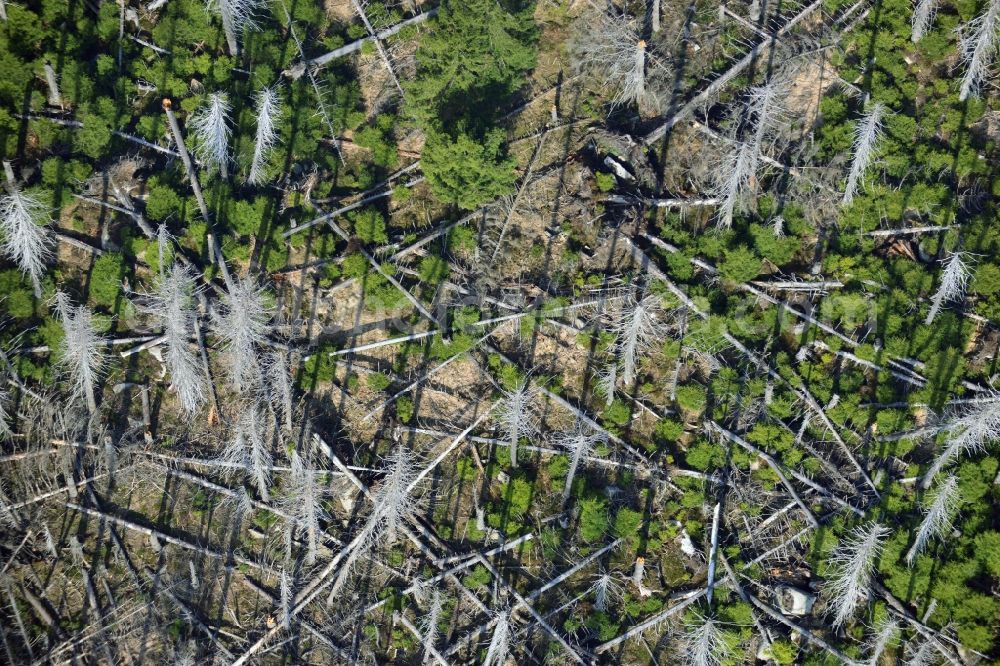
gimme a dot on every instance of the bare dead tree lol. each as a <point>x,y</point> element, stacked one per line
<point>968,431</point>
<point>499,649</point>
<point>210,125</point>
<point>610,45</point>
<point>954,280</point>
<point>867,133</point>
<point>852,565</point>
<point>237,16</point>
<point>607,591</point>
<point>730,180</point>
<point>268,115</point>
<point>242,324</point>
<point>25,239</point>
<point>304,502</point>
<point>638,327</point>
<point>516,412</point>
<point>923,16</point>
<point>248,448</point>
<point>579,442</point>
<point>703,643</point>
<point>937,516</point>
<point>82,349</point>
<point>886,633</point>
<point>172,303</point>
<point>977,47</point>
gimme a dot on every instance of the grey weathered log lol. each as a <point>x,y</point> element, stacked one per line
<point>702,98</point>
<point>299,68</point>
<point>192,175</point>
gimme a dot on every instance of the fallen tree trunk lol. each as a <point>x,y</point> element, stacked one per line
<point>298,69</point>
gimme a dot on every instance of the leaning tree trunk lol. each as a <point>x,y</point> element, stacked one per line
<point>656,16</point>
<point>175,129</point>
<point>640,69</point>
<point>229,29</point>
<point>55,99</point>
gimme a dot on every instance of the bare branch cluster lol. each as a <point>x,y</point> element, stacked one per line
<point>210,125</point>
<point>172,303</point>
<point>82,350</point>
<point>268,107</point>
<point>242,325</point>
<point>25,240</point>
<point>954,280</point>
<point>978,41</point>
<point>968,431</point>
<point>867,133</point>
<point>851,567</point>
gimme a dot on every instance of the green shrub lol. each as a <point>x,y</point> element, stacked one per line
<point>106,280</point>
<point>162,203</point>
<point>593,518</point>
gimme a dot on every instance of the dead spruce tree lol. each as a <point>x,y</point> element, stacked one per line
<point>516,413</point>
<point>937,516</point>
<point>886,633</point>
<point>607,591</point>
<point>82,351</point>
<point>968,432</point>
<point>579,442</point>
<point>731,179</point>
<point>248,448</point>
<point>977,47</point>
<point>172,304</point>
<point>703,644</point>
<point>610,46</point>
<point>954,280</point>
<point>867,133</point>
<point>237,16</point>
<point>268,107</point>
<point>638,327</point>
<point>242,324</point>
<point>923,16</point>
<point>304,502</point>
<point>278,380</point>
<point>210,125</point>
<point>762,115</point>
<point>851,567</point>
<point>25,240</point>
<point>394,501</point>
<point>499,649</point>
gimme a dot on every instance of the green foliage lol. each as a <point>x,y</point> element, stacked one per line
<point>404,408</point>
<point>473,58</point>
<point>354,266</point>
<point>593,518</point>
<point>162,203</point>
<point>618,413</point>
<point>378,382</point>
<point>106,280</point>
<point>466,170</point>
<point>380,140</point>
<point>94,136</point>
<point>477,578</point>
<point>369,226</point>
<point>627,524</point>
<point>605,181</point>
<point>668,431</point>
<point>461,239</point>
<point>18,299</point>
<point>691,398</point>
<point>475,54</point>
<point>739,265</point>
<point>433,269</point>
<point>783,652</point>
<point>705,456</point>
